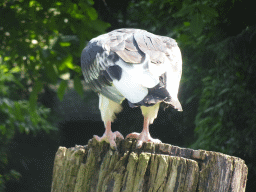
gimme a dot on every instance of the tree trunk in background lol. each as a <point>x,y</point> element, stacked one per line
<point>154,167</point>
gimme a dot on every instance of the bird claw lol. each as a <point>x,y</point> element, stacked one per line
<point>142,138</point>
<point>133,135</point>
<point>118,134</point>
<point>110,138</point>
<point>140,142</point>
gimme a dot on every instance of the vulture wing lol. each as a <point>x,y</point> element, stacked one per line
<point>133,64</point>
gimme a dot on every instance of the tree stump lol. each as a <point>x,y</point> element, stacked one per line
<point>155,167</point>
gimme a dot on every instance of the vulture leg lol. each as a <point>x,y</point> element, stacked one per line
<point>109,136</point>
<point>108,108</point>
<point>149,113</point>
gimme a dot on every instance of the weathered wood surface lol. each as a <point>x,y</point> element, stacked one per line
<point>154,167</point>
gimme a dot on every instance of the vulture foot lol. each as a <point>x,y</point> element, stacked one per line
<point>142,137</point>
<point>110,137</point>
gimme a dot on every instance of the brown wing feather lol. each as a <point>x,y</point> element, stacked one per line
<point>118,47</point>
<point>128,50</point>
<point>151,44</point>
<point>131,45</point>
<point>131,56</point>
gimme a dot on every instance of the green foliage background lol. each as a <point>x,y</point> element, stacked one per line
<point>40,47</point>
<point>41,42</point>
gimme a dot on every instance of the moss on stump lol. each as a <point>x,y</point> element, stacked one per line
<point>155,167</point>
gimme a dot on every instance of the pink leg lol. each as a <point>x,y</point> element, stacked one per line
<point>109,136</point>
<point>144,136</point>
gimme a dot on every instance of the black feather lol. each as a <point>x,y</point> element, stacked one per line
<point>115,72</point>
<point>89,53</point>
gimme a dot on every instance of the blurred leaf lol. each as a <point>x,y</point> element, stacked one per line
<point>77,69</point>
<point>7,58</point>
<point>51,72</point>
<point>184,39</point>
<point>67,63</point>
<point>62,88</point>
<point>92,13</point>
<point>191,98</point>
<point>38,86</point>
<point>90,2</point>
<point>78,86</point>
<point>18,112</point>
<point>207,78</point>
<point>100,26</point>
<point>224,91</point>
<point>2,129</point>
<point>12,175</point>
<point>206,10</point>
<point>186,23</point>
<point>59,3</point>
<point>75,12</point>
<point>69,38</point>
<point>65,44</point>
<point>209,109</point>
<point>15,69</point>
<point>33,3</point>
<point>196,24</point>
<point>221,112</point>
<point>186,9</point>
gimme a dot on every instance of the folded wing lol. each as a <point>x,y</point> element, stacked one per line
<point>134,64</point>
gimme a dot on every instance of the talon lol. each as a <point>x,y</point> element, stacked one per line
<point>113,145</point>
<point>97,137</point>
<point>133,135</point>
<point>139,144</point>
<point>142,138</point>
<point>109,137</point>
<point>118,134</point>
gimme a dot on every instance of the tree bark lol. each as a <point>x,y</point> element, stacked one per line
<point>155,167</point>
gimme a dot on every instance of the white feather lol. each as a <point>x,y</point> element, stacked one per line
<point>135,79</point>
<point>108,109</point>
<point>173,72</point>
<point>130,88</point>
<point>150,112</point>
<point>140,73</point>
